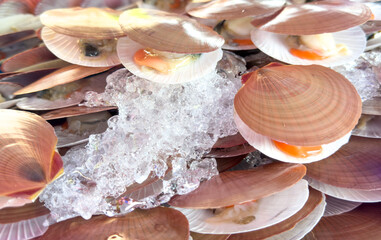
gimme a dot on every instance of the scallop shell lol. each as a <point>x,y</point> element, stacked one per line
<point>229,141</point>
<point>61,76</point>
<point>28,161</point>
<point>204,64</point>
<point>362,223</point>
<point>11,38</point>
<point>230,188</point>
<point>231,151</point>
<point>45,5</point>
<point>317,17</point>
<point>94,23</point>
<point>73,111</point>
<point>265,145</point>
<point>27,58</point>
<point>368,126</point>
<point>337,206</point>
<point>294,227</point>
<point>152,224</point>
<point>39,104</point>
<point>224,164</point>
<point>275,46</point>
<point>223,9</point>
<point>356,166</point>
<point>299,105</point>
<point>8,88</point>
<point>26,78</point>
<point>19,22</point>
<point>270,210</point>
<point>372,106</point>
<point>25,222</point>
<point>199,236</point>
<point>151,28</point>
<point>66,48</point>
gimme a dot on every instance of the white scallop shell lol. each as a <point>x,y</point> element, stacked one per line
<point>348,194</point>
<point>26,229</point>
<point>275,46</point>
<point>337,206</point>
<point>205,64</point>
<point>265,145</point>
<point>271,210</point>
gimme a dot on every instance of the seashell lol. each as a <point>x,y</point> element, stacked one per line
<point>176,6</point>
<point>18,47</point>
<point>7,89</point>
<point>11,38</point>
<point>376,11</point>
<point>19,22</point>
<point>267,211</point>
<point>13,201</point>
<point>294,227</point>
<point>372,106</point>
<point>115,4</point>
<point>373,43</point>
<point>64,75</point>
<point>73,111</point>
<point>368,126</point>
<point>276,101</point>
<point>275,45</point>
<point>39,104</point>
<point>229,141</point>
<point>371,27</point>
<point>337,206</point>
<point>361,223</point>
<point>222,9</point>
<point>266,145</point>
<point>26,222</point>
<point>9,8</point>
<point>354,166</point>
<point>316,18</point>
<point>26,78</point>
<point>28,160</point>
<point>91,53</point>
<point>203,64</point>
<point>152,224</point>
<point>45,5</point>
<point>27,58</point>
<point>151,28</point>
<point>347,194</point>
<point>230,152</point>
<point>224,164</point>
<point>85,23</point>
<point>222,190</point>
<point>199,236</point>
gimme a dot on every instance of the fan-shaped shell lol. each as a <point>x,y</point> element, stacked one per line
<point>298,105</point>
<point>153,224</point>
<point>152,28</point>
<point>337,206</point>
<point>230,188</point>
<point>94,23</point>
<point>275,45</point>
<point>269,211</point>
<point>362,223</point>
<point>28,161</point>
<point>73,111</point>
<point>230,9</point>
<point>67,48</point>
<point>317,17</point>
<point>315,203</point>
<point>14,37</point>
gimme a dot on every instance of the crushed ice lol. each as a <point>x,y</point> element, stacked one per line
<point>161,130</point>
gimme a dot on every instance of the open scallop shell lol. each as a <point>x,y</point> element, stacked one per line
<point>152,224</point>
<point>265,145</point>
<point>27,58</point>
<point>64,75</point>
<point>298,105</point>
<point>151,28</point>
<point>275,45</point>
<point>362,223</point>
<point>25,222</point>
<point>73,111</point>
<point>67,48</point>
<point>294,227</point>
<point>337,206</point>
<point>201,66</point>
<point>94,23</point>
<point>368,126</point>
<point>348,194</point>
<point>355,166</point>
<point>317,17</point>
<point>270,210</point>
<point>230,188</point>
<point>28,161</point>
<point>223,9</point>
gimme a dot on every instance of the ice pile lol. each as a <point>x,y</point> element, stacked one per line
<point>160,129</point>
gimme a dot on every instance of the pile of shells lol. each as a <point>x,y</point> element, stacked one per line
<point>292,109</point>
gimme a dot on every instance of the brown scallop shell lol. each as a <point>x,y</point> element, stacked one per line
<point>11,38</point>
<point>362,223</point>
<point>336,206</point>
<point>300,105</point>
<point>230,188</point>
<point>317,17</point>
<point>152,224</point>
<point>73,111</point>
<point>231,9</point>
<point>199,236</point>
<point>314,199</point>
<point>356,166</point>
<point>28,161</point>
<point>93,23</point>
<point>229,141</point>
<point>169,31</point>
